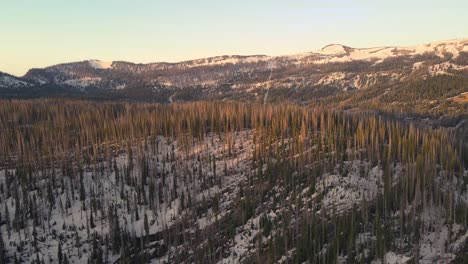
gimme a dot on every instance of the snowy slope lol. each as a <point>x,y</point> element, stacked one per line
<point>97,64</point>
<point>336,67</point>
<point>11,82</point>
<point>451,48</point>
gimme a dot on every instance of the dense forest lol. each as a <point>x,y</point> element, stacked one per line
<point>226,182</point>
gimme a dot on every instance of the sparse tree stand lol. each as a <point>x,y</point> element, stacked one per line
<point>193,182</point>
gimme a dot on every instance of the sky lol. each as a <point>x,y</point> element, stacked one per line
<point>40,33</point>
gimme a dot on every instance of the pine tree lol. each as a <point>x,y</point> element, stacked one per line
<point>3,253</point>
<point>116,239</point>
<point>91,220</point>
<point>60,254</point>
<point>379,237</point>
<point>96,256</point>
<point>82,188</point>
<point>7,220</point>
<point>146,224</point>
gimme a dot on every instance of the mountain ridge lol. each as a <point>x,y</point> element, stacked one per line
<point>319,51</point>
<point>336,72</point>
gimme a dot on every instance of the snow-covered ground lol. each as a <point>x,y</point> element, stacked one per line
<point>68,219</point>
<point>182,173</point>
<point>97,64</point>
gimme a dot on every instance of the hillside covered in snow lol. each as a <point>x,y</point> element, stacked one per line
<point>225,182</point>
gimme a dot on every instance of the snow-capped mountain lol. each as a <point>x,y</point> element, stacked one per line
<point>328,71</point>
<point>11,82</point>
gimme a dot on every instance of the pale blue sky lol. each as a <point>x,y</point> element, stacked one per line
<point>38,33</point>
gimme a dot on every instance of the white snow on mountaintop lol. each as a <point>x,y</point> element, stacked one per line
<point>440,48</point>
<point>340,53</point>
<point>226,60</point>
<point>97,64</point>
<point>328,54</point>
<point>333,49</point>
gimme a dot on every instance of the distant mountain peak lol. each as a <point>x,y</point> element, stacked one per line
<point>335,49</point>
<point>97,64</point>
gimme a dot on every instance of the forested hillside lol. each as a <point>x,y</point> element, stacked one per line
<point>208,182</point>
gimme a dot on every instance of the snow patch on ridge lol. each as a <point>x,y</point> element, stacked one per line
<point>97,64</point>
<point>340,53</point>
<point>333,49</point>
